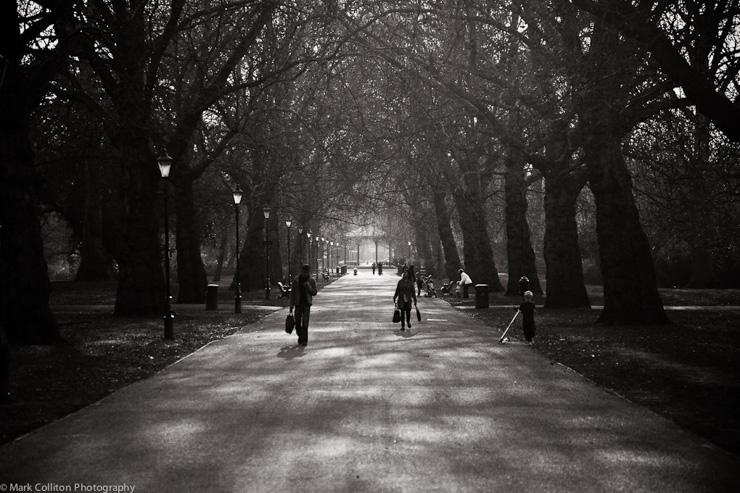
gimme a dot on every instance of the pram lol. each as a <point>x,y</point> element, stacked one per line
<point>429,286</point>
<point>447,288</point>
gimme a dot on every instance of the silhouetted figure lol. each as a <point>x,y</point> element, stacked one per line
<point>527,309</point>
<point>405,294</point>
<point>523,285</point>
<point>304,289</point>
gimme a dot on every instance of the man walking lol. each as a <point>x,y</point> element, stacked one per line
<point>301,296</point>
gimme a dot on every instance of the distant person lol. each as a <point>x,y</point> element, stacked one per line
<point>301,296</point>
<point>464,282</point>
<point>373,268</point>
<point>414,278</point>
<point>523,285</point>
<point>380,268</point>
<point>527,309</point>
<point>405,294</point>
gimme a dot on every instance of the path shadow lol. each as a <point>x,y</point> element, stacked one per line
<point>405,333</point>
<point>291,352</point>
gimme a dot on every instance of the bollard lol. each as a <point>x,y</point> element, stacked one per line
<point>481,295</point>
<point>212,297</point>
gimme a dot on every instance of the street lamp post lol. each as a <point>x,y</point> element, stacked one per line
<point>322,248</point>
<point>164,161</point>
<point>266,212</point>
<point>409,251</point>
<point>288,222</point>
<point>331,247</point>
<point>237,194</point>
<point>300,242</point>
<point>376,252</point>
<point>310,262</point>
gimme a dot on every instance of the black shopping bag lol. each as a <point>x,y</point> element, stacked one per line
<point>396,315</point>
<point>289,323</point>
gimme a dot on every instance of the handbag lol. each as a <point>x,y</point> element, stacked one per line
<point>396,315</point>
<point>289,323</point>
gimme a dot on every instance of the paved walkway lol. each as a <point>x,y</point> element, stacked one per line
<point>366,407</point>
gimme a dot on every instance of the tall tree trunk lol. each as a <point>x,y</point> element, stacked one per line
<point>518,245</point>
<point>252,255</point>
<point>630,287</point>
<point>24,278</point>
<point>191,273</point>
<point>703,272</point>
<point>449,247</point>
<point>479,261</point>
<point>95,262</point>
<point>139,253</point>
<point>276,257</point>
<point>221,256</point>
<point>565,284</point>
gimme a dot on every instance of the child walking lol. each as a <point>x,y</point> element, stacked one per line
<point>527,309</point>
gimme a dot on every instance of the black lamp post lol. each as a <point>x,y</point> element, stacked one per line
<point>300,242</point>
<point>164,161</point>
<point>266,212</point>
<point>322,248</point>
<point>331,266</point>
<point>288,222</point>
<point>237,194</point>
<point>409,251</point>
<point>310,258</point>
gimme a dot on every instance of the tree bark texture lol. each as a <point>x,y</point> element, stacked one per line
<point>479,262</point>
<point>191,273</point>
<point>139,253</point>
<point>565,285</point>
<point>449,247</point>
<point>223,243</point>
<point>252,256</point>
<point>519,249</point>
<point>24,280</point>
<point>95,261</point>
<point>630,287</point>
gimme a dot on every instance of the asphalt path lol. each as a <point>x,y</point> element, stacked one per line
<point>366,407</point>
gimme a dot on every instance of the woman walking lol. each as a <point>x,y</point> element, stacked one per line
<point>405,293</point>
<point>301,296</point>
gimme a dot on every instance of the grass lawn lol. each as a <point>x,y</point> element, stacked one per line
<point>103,353</point>
<point>687,370</point>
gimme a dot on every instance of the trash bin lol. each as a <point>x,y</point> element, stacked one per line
<point>481,295</point>
<point>337,271</point>
<point>212,297</point>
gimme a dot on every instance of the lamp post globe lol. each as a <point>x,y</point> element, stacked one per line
<point>164,162</point>
<point>308,235</point>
